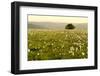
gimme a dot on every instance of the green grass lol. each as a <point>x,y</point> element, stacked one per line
<point>46,44</point>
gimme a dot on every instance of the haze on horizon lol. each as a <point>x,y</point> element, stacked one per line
<point>57,19</point>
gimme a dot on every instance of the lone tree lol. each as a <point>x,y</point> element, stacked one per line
<point>69,26</point>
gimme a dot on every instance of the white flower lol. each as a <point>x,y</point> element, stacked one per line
<point>52,44</point>
<point>38,54</point>
<point>71,48</point>
<point>76,49</point>
<point>28,50</point>
<point>83,53</point>
<point>73,53</point>
<point>66,35</point>
<point>62,46</point>
<point>70,51</point>
<point>44,42</point>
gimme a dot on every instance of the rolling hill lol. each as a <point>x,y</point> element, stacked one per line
<point>51,25</point>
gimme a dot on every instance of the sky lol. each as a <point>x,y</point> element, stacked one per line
<point>58,19</point>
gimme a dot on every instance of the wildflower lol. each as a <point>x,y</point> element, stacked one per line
<point>44,42</point>
<point>83,53</point>
<point>38,54</point>
<point>62,46</point>
<point>43,46</point>
<point>52,44</point>
<point>72,48</point>
<point>70,51</point>
<point>80,47</point>
<point>73,53</point>
<point>28,50</point>
<point>76,49</point>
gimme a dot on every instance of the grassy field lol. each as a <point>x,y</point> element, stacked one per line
<point>57,44</point>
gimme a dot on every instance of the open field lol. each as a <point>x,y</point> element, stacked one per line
<point>45,44</point>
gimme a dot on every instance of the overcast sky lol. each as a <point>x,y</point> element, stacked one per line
<point>58,19</point>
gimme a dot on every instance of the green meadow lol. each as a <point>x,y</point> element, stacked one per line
<point>46,44</point>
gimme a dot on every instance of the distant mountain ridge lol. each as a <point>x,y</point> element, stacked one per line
<point>52,25</point>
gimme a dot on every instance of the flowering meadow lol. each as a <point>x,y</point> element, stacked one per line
<point>46,44</point>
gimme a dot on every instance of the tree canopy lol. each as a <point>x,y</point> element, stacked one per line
<point>69,26</point>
